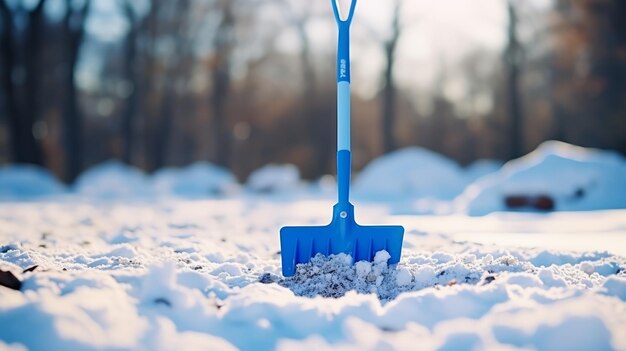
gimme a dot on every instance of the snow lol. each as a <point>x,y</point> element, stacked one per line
<point>193,264</point>
<point>175,273</point>
<point>274,179</point>
<point>578,179</point>
<point>198,180</point>
<point>112,180</point>
<point>403,276</point>
<point>381,257</point>
<point>480,168</point>
<point>411,172</point>
<point>616,286</point>
<point>27,182</point>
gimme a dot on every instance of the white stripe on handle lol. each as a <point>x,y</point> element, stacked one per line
<point>343,116</point>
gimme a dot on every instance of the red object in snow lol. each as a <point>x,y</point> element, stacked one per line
<point>538,202</point>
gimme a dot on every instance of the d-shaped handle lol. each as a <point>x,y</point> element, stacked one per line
<point>348,20</point>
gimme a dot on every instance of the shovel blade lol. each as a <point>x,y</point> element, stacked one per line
<point>368,240</point>
<point>300,244</point>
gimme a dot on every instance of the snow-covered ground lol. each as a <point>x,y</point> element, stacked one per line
<point>138,269</point>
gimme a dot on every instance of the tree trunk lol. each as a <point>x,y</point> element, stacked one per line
<point>130,109</point>
<point>24,146</point>
<point>389,105</point>
<point>389,90</point>
<point>162,135</point>
<point>221,86</point>
<point>162,130</point>
<point>513,58</point>
<point>33,74</point>
<point>150,29</point>
<point>221,133</point>
<point>8,60</point>
<point>320,125</point>
<point>74,25</point>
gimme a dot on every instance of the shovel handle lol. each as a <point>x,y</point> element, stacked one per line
<point>343,103</point>
<point>338,15</point>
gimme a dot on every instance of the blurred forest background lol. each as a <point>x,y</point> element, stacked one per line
<point>243,83</point>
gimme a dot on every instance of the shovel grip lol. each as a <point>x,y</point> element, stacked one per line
<point>343,48</point>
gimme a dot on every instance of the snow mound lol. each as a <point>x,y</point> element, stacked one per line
<point>413,172</point>
<point>274,179</point>
<point>201,179</point>
<point>480,168</point>
<point>575,178</point>
<point>112,180</point>
<point>27,182</point>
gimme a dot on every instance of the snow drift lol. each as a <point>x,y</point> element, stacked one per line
<point>412,172</point>
<point>27,182</point>
<point>112,180</point>
<point>201,179</point>
<point>575,178</point>
<point>481,168</point>
<point>274,179</point>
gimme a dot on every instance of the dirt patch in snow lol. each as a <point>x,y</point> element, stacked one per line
<point>335,275</point>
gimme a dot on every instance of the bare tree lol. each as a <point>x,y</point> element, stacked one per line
<point>223,45</point>
<point>165,63</point>
<point>22,56</point>
<point>513,63</point>
<point>149,32</point>
<point>388,113</point>
<point>388,94</point>
<point>130,74</point>
<point>589,73</point>
<point>317,121</point>
<point>74,27</point>
<point>177,72</point>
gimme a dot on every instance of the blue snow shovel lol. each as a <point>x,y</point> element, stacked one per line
<point>343,234</point>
